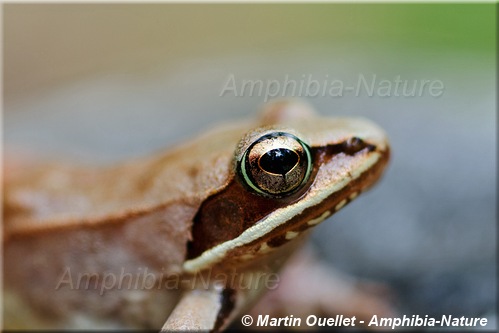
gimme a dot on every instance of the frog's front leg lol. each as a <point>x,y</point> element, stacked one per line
<point>197,310</point>
<point>212,306</point>
<point>309,287</point>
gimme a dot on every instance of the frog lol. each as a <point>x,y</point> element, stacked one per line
<point>236,203</point>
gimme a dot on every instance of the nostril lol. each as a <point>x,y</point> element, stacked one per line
<point>356,144</point>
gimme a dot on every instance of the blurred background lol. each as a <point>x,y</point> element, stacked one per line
<point>100,83</point>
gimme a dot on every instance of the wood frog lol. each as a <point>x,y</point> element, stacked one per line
<point>174,235</point>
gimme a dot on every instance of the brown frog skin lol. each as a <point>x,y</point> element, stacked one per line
<point>236,200</point>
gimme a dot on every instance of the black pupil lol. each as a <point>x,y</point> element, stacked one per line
<point>278,161</point>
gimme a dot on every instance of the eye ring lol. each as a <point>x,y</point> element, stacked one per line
<point>276,164</point>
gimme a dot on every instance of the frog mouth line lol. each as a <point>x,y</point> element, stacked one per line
<point>276,219</point>
<point>327,208</point>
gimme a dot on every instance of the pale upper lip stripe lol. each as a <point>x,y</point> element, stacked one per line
<point>275,219</point>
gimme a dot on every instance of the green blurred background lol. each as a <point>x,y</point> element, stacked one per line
<point>100,83</point>
<point>46,45</point>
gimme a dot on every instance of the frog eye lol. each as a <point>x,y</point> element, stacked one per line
<point>276,164</point>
